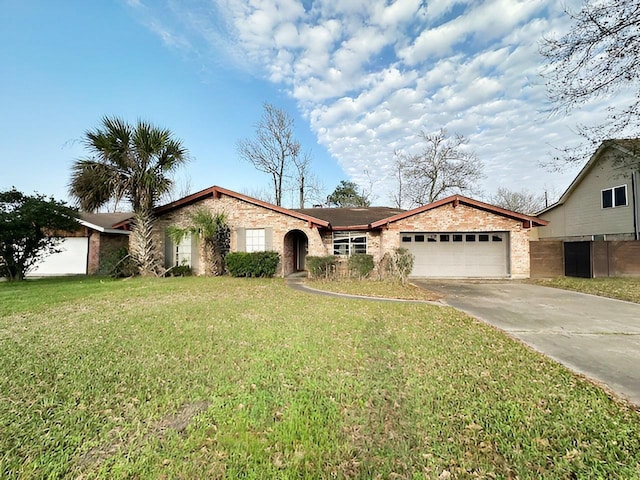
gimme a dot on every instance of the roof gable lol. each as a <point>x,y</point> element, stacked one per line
<point>527,221</point>
<point>217,192</point>
<point>356,218</point>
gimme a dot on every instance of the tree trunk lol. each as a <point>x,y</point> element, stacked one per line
<point>143,250</point>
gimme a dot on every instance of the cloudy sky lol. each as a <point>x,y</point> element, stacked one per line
<point>361,78</point>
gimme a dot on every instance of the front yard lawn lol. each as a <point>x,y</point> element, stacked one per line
<point>244,378</point>
<point>621,288</point>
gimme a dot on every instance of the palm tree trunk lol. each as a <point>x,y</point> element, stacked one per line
<point>142,246</point>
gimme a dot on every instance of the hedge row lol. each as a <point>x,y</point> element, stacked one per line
<point>321,266</point>
<point>252,264</point>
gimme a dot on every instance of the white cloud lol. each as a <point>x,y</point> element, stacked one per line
<point>370,75</point>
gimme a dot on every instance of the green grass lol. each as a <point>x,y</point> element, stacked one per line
<point>374,288</point>
<point>244,378</point>
<point>627,289</point>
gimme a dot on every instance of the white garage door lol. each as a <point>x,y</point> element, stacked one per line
<point>458,254</point>
<point>72,260</point>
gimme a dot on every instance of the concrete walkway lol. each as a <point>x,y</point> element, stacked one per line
<point>595,336</point>
<point>296,282</point>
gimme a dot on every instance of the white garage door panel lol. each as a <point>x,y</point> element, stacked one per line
<point>72,260</point>
<point>441,257</point>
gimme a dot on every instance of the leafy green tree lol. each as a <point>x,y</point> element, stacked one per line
<point>347,194</point>
<point>28,225</point>
<point>133,163</point>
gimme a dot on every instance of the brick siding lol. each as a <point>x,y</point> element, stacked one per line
<point>463,218</point>
<point>241,214</point>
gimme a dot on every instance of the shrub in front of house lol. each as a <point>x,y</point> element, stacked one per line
<point>322,267</point>
<point>183,270</point>
<point>117,263</point>
<point>252,264</point>
<point>404,260</point>
<point>360,265</point>
<point>396,265</point>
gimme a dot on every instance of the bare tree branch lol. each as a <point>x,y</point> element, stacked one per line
<point>443,167</point>
<point>273,150</point>
<point>523,201</point>
<point>597,58</point>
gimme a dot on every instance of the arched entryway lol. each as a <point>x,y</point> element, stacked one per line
<point>296,244</point>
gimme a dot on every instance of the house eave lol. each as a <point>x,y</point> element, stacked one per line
<point>338,228</point>
<point>585,170</point>
<point>217,192</point>
<point>455,200</point>
<point>100,229</point>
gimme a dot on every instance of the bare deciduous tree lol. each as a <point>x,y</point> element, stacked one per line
<point>305,185</point>
<point>261,193</point>
<point>274,150</point>
<point>442,167</point>
<point>523,201</point>
<point>599,56</point>
<point>398,168</point>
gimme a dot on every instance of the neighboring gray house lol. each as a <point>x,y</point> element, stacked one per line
<point>597,218</point>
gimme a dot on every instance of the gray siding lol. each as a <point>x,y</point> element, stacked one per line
<point>582,213</point>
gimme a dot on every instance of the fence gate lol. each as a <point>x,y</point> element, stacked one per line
<point>577,259</point>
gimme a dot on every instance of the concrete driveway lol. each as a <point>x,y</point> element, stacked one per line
<point>595,336</point>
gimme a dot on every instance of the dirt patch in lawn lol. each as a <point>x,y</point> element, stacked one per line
<point>177,422</point>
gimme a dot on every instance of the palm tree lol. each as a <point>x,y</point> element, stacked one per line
<point>132,163</point>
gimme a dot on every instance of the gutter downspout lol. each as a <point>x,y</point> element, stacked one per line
<point>634,190</point>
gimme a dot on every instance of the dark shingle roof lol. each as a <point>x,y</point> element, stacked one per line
<point>350,216</point>
<point>105,220</point>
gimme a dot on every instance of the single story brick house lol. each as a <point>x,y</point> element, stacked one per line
<point>455,237</point>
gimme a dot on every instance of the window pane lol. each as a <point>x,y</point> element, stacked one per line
<point>483,238</point>
<point>457,238</point>
<point>444,238</point>
<point>406,239</point>
<point>607,198</point>
<point>432,238</point>
<point>340,249</point>
<point>348,243</point>
<point>471,238</point>
<point>419,238</point>
<point>255,240</point>
<point>496,238</point>
<point>183,251</point>
<point>358,248</point>
<point>620,195</point>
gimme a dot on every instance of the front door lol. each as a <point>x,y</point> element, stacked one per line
<point>299,251</point>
